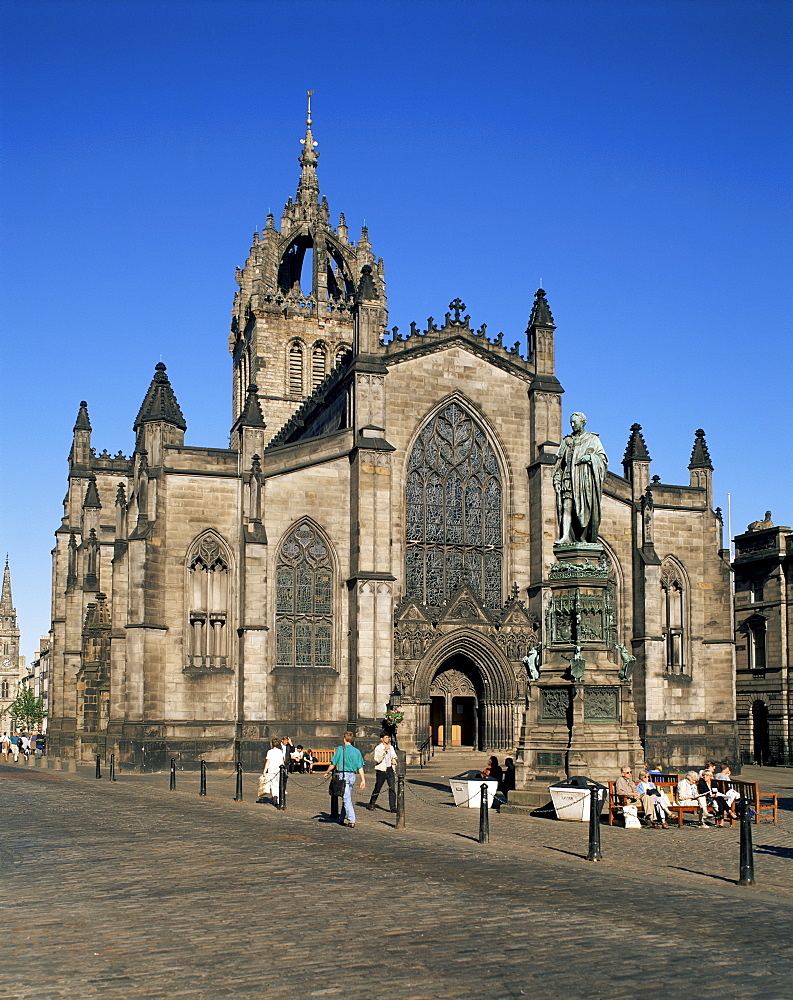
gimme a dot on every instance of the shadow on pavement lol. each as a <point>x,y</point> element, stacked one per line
<point>572,854</point>
<point>430,784</point>
<point>693,871</point>
<point>779,852</point>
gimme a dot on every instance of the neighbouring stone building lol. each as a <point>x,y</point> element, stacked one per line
<point>763,573</point>
<point>384,516</point>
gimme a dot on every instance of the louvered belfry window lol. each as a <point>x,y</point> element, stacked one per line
<point>453,512</point>
<point>296,370</point>
<point>304,617</point>
<point>317,365</point>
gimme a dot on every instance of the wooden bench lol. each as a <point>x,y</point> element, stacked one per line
<point>663,782</point>
<point>764,804</point>
<point>323,758</point>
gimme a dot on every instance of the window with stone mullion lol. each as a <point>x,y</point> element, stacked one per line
<point>453,512</point>
<point>303,601</point>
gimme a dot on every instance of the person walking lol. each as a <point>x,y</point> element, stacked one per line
<point>272,771</point>
<point>348,761</point>
<point>385,765</point>
<point>15,746</point>
<point>5,745</point>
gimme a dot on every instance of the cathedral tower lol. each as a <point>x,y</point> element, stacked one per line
<point>292,319</point>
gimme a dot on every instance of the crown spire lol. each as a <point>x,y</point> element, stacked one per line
<point>308,187</point>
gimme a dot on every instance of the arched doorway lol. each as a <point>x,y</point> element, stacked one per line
<point>455,699</point>
<point>761,743</point>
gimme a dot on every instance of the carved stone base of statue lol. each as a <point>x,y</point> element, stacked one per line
<point>580,716</point>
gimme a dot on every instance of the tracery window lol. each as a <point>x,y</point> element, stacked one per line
<point>673,619</point>
<point>4,689</point>
<point>296,370</point>
<point>304,612</point>
<point>453,512</point>
<point>208,590</point>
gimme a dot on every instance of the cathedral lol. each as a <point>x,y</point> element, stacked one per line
<point>383,527</point>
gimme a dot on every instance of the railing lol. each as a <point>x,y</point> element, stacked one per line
<point>426,751</point>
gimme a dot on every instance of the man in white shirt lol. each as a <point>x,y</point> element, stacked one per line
<point>385,762</point>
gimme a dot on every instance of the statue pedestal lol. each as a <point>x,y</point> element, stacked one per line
<point>580,717</point>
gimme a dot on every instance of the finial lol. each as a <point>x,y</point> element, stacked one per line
<point>309,94</point>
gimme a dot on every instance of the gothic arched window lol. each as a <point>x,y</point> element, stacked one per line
<point>303,612</point>
<point>295,373</point>
<point>453,512</point>
<point>208,596</point>
<point>673,618</point>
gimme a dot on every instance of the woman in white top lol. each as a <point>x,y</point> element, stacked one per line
<point>688,795</point>
<point>272,769</point>
<point>660,799</point>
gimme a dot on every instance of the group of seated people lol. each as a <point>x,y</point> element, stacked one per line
<point>695,788</point>
<point>301,761</point>
<point>505,776</point>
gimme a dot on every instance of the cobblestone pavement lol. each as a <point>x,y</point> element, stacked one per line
<point>130,891</point>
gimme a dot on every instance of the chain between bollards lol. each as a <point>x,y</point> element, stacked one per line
<point>202,784</point>
<point>747,858</point>
<point>238,790</point>
<point>173,775</point>
<point>98,766</point>
<point>112,767</point>
<point>594,825</point>
<point>282,776</point>
<point>484,819</point>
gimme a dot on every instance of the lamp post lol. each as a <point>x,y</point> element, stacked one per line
<point>393,705</point>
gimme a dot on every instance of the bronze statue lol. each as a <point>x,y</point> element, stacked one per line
<point>578,476</point>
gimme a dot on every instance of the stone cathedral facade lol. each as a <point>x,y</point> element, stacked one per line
<point>384,516</point>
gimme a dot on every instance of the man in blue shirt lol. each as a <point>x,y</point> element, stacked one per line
<point>348,761</point>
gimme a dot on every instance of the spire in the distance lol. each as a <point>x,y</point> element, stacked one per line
<point>6,603</point>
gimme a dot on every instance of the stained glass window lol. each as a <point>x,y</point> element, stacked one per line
<point>303,601</point>
<point>453,512</point>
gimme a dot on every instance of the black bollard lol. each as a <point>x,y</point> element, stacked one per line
<point>202,784</point>
<point>282,787</point>
<point>98,766</point>
<point>594,825</point>
<point>238,790</point>
<point>112,767</point>
<point>747,857</point>
<point>173,774</point>
<point>400,813</point>
<point>484,819</point>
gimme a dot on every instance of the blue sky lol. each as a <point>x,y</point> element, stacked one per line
<point>634,157</point>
